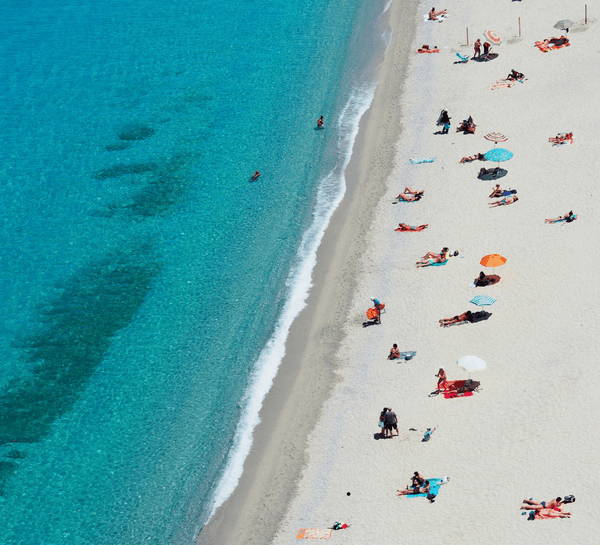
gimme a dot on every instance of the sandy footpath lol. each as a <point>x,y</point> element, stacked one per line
<point>531,431</point>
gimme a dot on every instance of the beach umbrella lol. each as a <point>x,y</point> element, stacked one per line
<point>492,37</point>
<point>482,300</point>
<point>492,260</point>
<point>498,155</point>
<point>564,24</point>
<point>471,364</point>
<point>496,137</point>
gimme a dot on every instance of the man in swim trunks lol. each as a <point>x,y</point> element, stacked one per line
<point>320,124</point>
<point>477,48</point>
<point>417,480</point>
<point>255,176</point>
<point>465,317</point>
<point>390,422</point>
<point>552,504</point>
<point>394,353</point>
<point>497,192</point>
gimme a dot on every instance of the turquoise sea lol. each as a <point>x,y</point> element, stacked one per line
<point>148,285</point>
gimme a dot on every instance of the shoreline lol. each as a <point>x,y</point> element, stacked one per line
<point>309,370</point>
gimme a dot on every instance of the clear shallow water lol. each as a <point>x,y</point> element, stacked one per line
<point>147,285</point>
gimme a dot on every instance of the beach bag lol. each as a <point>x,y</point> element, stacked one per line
<point>431,497</point>
<point>380,423</point>
<point>569,499</point>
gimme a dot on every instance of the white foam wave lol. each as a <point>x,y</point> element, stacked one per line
<point>330,193</point>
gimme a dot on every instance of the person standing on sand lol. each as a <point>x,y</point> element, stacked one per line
<point>390,422</point>
<point>320,124</point>
<point>477,48</point>
<point>441,379</point>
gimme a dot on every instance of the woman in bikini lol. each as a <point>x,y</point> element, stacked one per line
<point>568,217</point>
<point>476,157</point>
<point>405,227</point>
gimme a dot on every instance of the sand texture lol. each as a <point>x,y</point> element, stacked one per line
<point>531,431</point>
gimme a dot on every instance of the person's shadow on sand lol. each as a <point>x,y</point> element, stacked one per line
<point>485,58</point>
<point>440,132</point>
<point>370,322</point>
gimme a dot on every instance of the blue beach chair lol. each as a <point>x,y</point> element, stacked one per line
<point>462,59</point>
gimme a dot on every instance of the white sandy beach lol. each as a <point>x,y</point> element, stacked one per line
<point>531,430</point>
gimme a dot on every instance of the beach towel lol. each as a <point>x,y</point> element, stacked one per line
<point>428,50</point>
<point>438,264</point>
<point>503,84</point>
<point>419,161</point>
<point>550,47</point>
<point>313,533</point>
<point>434,488</point>
<point>407,355</point>
<point>413,230</point>
<point>454,393</point>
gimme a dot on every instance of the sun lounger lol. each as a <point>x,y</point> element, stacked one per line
<point>463,59</point>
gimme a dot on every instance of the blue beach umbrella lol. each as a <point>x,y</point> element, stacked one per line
<point>482,300</point>
<point>498,155</point>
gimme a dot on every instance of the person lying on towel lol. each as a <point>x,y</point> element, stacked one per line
<point>430,258</point>
<point>552,504</point>
<point>568,217</point>
<point>409,195</point>
<point>416,490</point>
<point>488,171</point>
<point>476,157</point>
<point>405,227</point>
<point>504,201</point>
<point>561,138</point>
<point>557,42</point>
<point>515,76</point>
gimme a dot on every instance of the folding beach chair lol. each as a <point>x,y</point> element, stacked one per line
<point>462,59</point>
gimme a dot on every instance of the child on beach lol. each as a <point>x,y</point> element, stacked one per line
<point>441,385</point>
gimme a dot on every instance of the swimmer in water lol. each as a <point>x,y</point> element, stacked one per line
<point>255,176</point>
<point>320,124</point>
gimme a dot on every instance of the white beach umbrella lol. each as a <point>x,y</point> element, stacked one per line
<point>471,364</point>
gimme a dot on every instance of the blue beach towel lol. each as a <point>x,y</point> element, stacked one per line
<point>419,161</point>
<point>438,264</point>
<point>434,488</point>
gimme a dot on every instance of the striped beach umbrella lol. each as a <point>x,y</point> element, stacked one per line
<point>482,300</point>
<point>496,137</point>
<point>492,37</point>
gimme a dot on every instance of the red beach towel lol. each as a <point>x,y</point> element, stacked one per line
<point>313,533</point>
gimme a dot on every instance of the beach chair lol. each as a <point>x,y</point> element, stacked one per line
<point>462,59</point>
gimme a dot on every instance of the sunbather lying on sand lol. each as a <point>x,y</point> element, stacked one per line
<point>529,504</point>
<point>433,15</point>
<point>465,317</point>
<point>561,138</point>
<point>476,157</point>
<point>405,227</point>
<point>409,195</point>
<point>503,201</point>
<point>430,258</point>
<point>497,192</point>
<point>568,217</point>
<point>556,41</point>
<point>416,490</point>
<point>551,514</point>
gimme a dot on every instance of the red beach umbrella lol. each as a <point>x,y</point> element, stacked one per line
<point>492,37</point>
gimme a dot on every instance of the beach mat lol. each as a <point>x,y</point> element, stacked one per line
<point>434,488</point>
<point>313,533</point>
